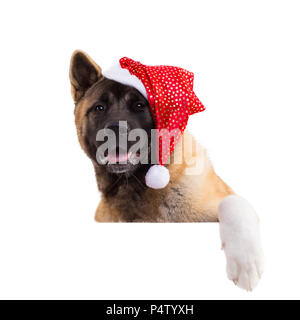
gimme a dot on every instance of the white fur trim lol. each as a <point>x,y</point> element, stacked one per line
<point>239,230</point>
<point>117,73</point>
<point>157,177</point>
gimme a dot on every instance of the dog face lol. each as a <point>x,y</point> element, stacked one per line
<point>111,104</point>
<point>105,104</point>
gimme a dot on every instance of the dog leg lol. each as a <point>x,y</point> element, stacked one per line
<point>239,230</point>
<point>105,213</point>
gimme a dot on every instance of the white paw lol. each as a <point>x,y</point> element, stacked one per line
<point>239,230</point>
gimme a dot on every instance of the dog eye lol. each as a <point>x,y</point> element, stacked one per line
<point>139,106</point>
<point>99,107</point>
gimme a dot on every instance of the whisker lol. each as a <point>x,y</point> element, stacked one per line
<point>126,176</point>
<point>110,188</point>
<point>138,180</point>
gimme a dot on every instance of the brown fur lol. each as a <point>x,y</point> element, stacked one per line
<point>187,198</point>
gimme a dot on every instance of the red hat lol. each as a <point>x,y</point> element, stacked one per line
<point>169,91</point>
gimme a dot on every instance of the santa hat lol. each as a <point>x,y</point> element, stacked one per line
<point>169,91</point>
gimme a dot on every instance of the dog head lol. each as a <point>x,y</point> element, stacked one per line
<point>103,104</point>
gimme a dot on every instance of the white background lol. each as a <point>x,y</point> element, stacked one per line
<point>247,55</point>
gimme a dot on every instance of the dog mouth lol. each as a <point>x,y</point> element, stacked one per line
<point>121,161</point>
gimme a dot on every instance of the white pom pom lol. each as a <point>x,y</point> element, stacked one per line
<point>157,177</point>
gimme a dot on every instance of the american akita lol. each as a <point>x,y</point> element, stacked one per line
<point>101,103</point>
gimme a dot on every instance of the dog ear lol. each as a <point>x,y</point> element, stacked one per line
<point>84,72</point>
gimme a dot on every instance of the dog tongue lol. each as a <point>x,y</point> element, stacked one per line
<point>114,158</point>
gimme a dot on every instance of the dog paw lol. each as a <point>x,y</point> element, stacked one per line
<point>239,230</point>
<point>244,270</point>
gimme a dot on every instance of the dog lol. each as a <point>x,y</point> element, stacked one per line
<point>101,103</point>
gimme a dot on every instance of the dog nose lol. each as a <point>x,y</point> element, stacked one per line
<point>113,126</point>
<point>118,127</point>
